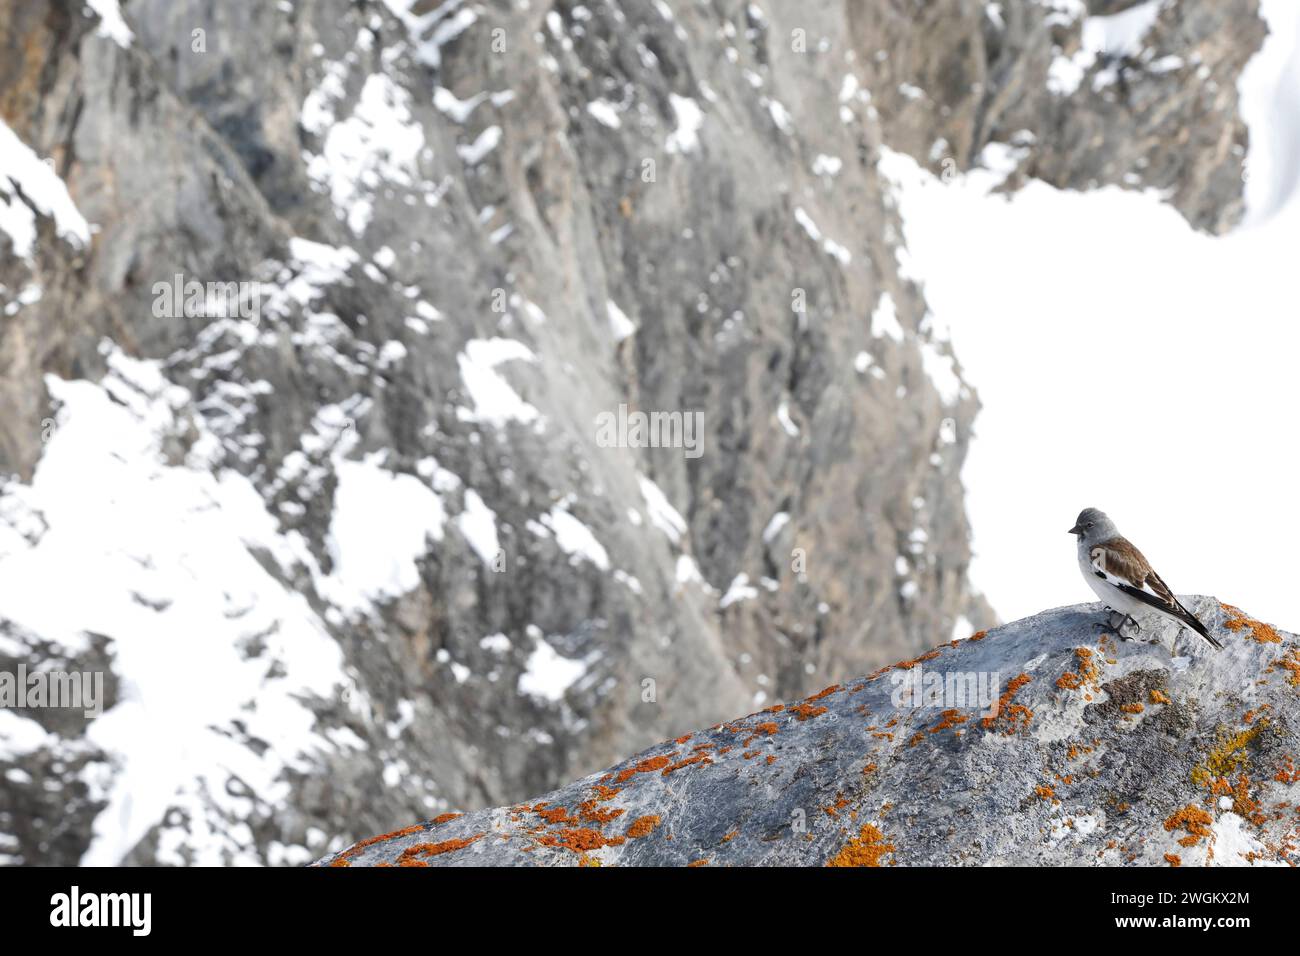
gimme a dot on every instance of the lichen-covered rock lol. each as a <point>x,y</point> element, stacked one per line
<point>1097,752</point>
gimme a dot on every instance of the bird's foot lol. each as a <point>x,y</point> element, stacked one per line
<point>1118,625</point>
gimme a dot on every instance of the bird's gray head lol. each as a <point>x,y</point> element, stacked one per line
<point>1092,526</point>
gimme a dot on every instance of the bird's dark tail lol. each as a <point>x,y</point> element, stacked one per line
<point>1192,621</point>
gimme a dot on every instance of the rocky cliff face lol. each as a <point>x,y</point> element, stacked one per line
<point>1044,742</point>
<point>341,522</point>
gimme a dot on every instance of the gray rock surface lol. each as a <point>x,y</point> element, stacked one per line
<point>441,201</point>
<point>1102,753</point>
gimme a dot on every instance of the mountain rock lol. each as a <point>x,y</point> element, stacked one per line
<point>1085,750</point>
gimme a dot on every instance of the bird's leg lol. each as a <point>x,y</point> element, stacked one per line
<point>1124,619</point>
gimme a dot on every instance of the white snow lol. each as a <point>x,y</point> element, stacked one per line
<point>685,138</point>
<point>830,246</point>
<point>605,112</point>
<point>494,401</point>
<point>942,372</point>
<point>111,24</point>
<point>21,735</point>
<point>45,192</point>
<point>619,324</point>
<point>496,643</point>
<point>475,152</point>
<point>571,536</point>
<point>376,146</point>
<point>432,30</point>
<point>739,590</point>
<point>1119,34</point>
<point>191,695</point>
<point>774,526</point>
<point>780,116</point>
<point>824,165</point>
<point>662,514</point>
<point>884,320</point>
<point>478,525</point>
<point>547,674</point>
<point>687,570</point>
<point>381,523</point>
<point>787,423</point>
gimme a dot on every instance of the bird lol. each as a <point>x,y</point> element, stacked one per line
<point>1122,577</point>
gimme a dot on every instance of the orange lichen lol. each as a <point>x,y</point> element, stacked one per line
<point>1174,859</point>
<point>411,855</point>
<point>1287,772</point>
<point>824,693</point>
<point>371,841</point>
<point>908,665</point>
<point>731,836</point>
<point>579,840</point>
<point>771,759</point>
<point>446,817</point>
<point>698,758</point>
<point>1262,633</point>
<point>805,711</point>
<point>1016,715</point>
<point>1085,671</point>
<point>697,863</point>
<point>643,826</point>
<point>554,815</point>
<point>978,636</point>
<point>591,813</point>
<point>607,793</point>
<point>649,765</point>
<point>865,849</point>
<point>1159,697</point>
<point>682,739</point>
<point>766,729</point>
<point>1291,664</point>
<point>1192,819</point>
<point>1133,708</point>
<point>1044,792</point>
<point>949,718</point>
<point>840,803</point>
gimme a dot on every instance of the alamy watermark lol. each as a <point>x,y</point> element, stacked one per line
<point>60,690</point>
<point>637,429</point>
<point>918,687</point>
<point>215,300</point>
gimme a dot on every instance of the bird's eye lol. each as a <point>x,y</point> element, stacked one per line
<point>1088,525</point>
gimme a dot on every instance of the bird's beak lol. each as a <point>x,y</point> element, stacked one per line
<point>1075,530</point>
